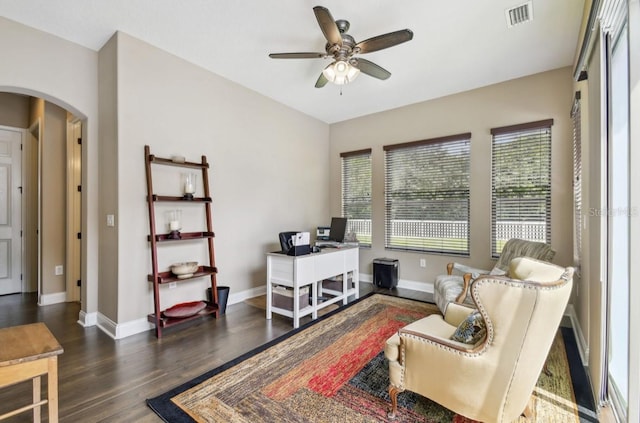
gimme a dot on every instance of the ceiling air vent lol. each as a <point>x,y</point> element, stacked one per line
<point>519,14</point>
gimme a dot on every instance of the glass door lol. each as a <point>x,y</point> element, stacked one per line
<point>618,214</point>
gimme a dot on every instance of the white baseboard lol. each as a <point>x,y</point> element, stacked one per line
<point>403,283</point>
<point>583,346</point>
<point>87,319</point>
<point>56,298</point>
<point>239,297</point>
<point>122,330</point>
<point>107,325</point>
<point>133,327</point>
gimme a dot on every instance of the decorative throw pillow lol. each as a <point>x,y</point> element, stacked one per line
<point>470,330</point>
<point>183,310</point>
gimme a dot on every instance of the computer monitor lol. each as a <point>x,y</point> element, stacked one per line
<point>338,228</point>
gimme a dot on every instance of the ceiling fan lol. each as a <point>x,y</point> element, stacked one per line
<point>343,49</point>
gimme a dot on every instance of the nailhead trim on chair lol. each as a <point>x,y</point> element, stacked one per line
<point>438,343</point>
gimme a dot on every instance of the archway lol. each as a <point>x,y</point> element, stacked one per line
<point>73,120</point>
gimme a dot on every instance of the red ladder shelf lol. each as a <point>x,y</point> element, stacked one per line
<point>158,278</point>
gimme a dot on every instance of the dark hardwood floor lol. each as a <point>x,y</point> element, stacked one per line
<point>106,380</point>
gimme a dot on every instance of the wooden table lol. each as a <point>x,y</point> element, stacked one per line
<point>28,352</point>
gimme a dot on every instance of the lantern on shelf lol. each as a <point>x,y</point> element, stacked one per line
<point>189,183</point>
<point>173,221</point>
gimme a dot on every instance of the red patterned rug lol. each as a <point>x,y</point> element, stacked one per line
<point>333,370</point>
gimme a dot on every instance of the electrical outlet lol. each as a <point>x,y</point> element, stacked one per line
<point>423,263</point>
<point>172,285</point>
<point>59,270</point>
<point>111,220</point>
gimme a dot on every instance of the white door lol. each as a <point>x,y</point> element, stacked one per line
<point>10,210</point>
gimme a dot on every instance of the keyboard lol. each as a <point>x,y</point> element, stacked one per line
<point>325,244</point>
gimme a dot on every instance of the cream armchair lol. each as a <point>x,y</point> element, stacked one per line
<point>455,287</point>
<point>491,380</point>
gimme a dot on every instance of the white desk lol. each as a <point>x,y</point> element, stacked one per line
<point>300,271</point>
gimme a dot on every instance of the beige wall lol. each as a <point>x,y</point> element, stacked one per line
<point>14,110</point>
<point>269,171</point>
<point>107,91</point>
<point>53,197</point>
<point>64,74</point>
<point>179,108</point>
<point>267,176</point>
<point>537,97</point>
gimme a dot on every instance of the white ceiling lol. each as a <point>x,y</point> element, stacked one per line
<point>457,45</point>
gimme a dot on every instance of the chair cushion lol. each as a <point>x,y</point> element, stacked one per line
<point>434,325</point>
<point>470,330</point>
<point>526,268</point>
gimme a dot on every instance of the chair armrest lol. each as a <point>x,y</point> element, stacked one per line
<point>475,272</point>
<point>466,283</point>
<point>434,340</point>
<point>456,313</point>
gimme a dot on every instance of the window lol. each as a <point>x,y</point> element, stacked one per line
<point>356,193</point>
<point>427,195</point>
<point>521,184</point>
<point>577,183</point>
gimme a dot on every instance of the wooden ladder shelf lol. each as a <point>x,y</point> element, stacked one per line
<point>158,278</point>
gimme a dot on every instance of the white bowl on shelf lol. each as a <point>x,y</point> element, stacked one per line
<point>185,269</point>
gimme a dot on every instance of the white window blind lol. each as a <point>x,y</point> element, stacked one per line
<point>356,194</point>
<point>427,195</point>
<point>577,183</point>
<point>521,183</point>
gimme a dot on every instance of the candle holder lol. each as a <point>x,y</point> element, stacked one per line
<point>189,180</point>
<point>173,219</point>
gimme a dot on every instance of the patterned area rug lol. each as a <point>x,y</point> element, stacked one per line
<point>333,370</point>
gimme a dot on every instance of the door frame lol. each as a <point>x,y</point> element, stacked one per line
<point>74,209</point>
<point>35,132</point>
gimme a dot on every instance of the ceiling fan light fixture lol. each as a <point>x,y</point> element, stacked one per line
<point>340,72</point>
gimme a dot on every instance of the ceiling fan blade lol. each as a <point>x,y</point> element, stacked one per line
<point>371,68</point>
<point>322,81</point>
<point>297,55</point>
<point>328,25</point>
<point>385,41</point>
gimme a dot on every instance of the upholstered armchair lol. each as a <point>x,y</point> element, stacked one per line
<point>455,287</point>
<point>490,379</point>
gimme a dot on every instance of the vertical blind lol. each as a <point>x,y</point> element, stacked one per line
<point>427,195</point>
<point>356,194</point>
<point>577,183</point>
<point>521,183</point>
